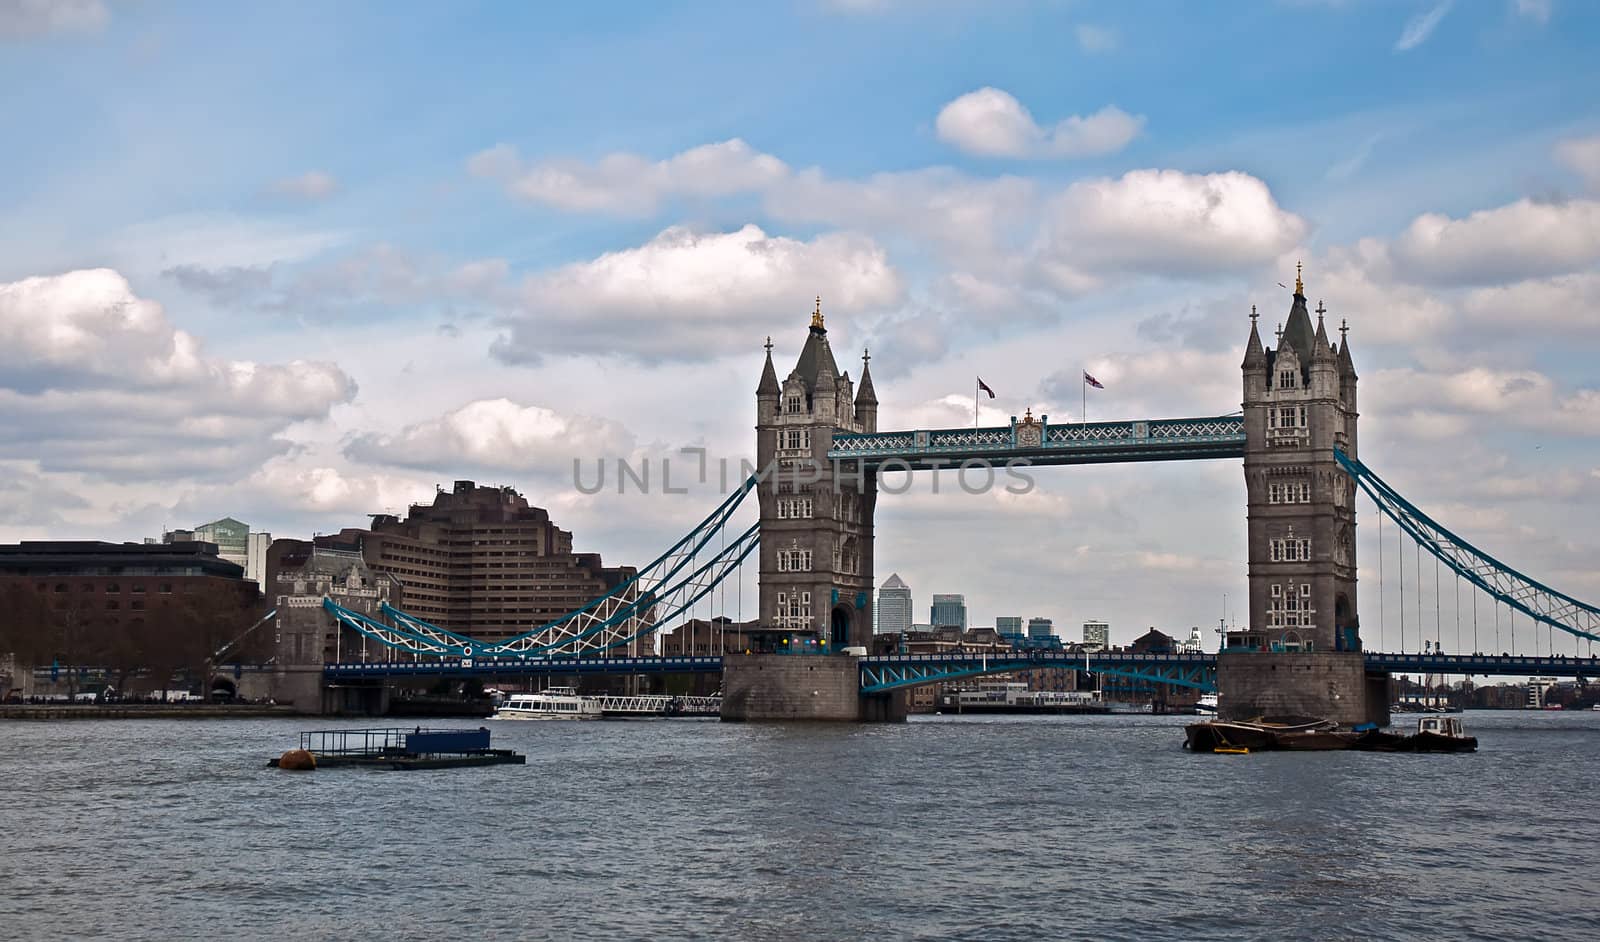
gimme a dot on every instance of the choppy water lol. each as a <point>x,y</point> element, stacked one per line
<point>1016,828</point>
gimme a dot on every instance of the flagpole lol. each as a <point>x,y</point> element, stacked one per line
<point>975,402</point>
<point>1083,385</point>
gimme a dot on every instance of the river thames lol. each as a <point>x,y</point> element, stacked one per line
<point>944,827</point>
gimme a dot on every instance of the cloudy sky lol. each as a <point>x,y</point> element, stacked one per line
<point>300,263</point>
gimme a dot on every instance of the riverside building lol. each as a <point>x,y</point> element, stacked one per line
<point>480,561</point>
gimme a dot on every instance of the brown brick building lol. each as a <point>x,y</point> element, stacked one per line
<point>480,561</point>
<point>122,606</point>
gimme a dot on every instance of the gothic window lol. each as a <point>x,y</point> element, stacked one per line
<point>1305,590</point>
<point>794,609</point>
<point>794,560</point>
<point>1286,379</point>
<point>791,405</point>
<point>1289,551</point>
<point>1289,492</point>
<point>1277,590</point>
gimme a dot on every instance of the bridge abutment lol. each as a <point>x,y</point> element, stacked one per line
<point>792,687</point>
<point>1332,685</point>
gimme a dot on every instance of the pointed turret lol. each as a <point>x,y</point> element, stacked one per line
<point>769,376</point>
<point>866,397</point>
<point>1297,331</point>
<point>865,394</point>
<point>1347,366</point>
<point>1321,349</point>
<point>1255,356</point>
<point>816,356</point>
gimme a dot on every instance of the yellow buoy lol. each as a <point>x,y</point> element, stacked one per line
<point>297,760</point>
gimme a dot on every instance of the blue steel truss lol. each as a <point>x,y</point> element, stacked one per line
<point>883,673</point>
<point>1040,442</point>
<point>1538,601</point>
<point>895,671</point>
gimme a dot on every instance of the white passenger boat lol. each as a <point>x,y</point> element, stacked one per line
<point>552,703</point>
<point>1207,705</point>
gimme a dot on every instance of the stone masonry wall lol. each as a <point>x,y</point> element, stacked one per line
<point>759,687</point>
<point>1330,685</point>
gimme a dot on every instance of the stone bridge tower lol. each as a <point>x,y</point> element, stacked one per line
<point>1299,405</point>
<point>816,523</point>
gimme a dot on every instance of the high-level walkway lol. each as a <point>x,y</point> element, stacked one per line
<point>1041,442</point>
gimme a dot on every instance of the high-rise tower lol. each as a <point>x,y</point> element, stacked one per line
<point>1300,405</point>
<point>816,524</point>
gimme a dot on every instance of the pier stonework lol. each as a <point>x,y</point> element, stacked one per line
<point>1333,685</point>
<point>823,687</point>
<point>816,522</point>
<point>1303,629</point>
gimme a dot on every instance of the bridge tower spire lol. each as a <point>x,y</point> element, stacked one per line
<point>1299,405</point>
<point>816,520</point>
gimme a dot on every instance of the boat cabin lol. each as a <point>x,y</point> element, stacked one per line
<point>1441,726</point>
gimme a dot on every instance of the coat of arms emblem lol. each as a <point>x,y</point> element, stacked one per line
<point>1030,434</point>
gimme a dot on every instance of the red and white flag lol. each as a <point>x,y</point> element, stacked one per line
<point>1091,380</point>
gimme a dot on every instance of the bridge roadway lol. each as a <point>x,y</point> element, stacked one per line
<point>895,671</point>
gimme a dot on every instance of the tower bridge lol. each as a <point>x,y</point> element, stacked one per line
<point>1302,648</point>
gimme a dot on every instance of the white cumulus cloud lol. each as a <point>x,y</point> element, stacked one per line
<point>95,378</point>
<point>1524,239</point>
<point>496,434</point>
<point>693,295</point>
<point>992,123</point>
<point>1164,222</point>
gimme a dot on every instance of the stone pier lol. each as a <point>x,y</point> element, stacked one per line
<point>791,687</point>
<point>1334,685</point>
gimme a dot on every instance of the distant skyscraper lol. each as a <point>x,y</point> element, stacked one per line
<point>235,543</point>
<point>1096,635</point>
<point>1008,625</point>
<point>949,611</point>
<point>894,606</point>
<point>1041,628</point>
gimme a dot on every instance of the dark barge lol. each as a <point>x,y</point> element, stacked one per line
<point>1434,734</point>
<point>395,748</point>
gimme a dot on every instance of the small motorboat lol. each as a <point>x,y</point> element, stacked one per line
<point>1434,734</point>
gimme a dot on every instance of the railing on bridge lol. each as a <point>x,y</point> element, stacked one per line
<point>511,666</point>
<point>886,672</point>
<point>1043,443</point>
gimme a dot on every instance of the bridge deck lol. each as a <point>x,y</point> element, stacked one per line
<point>1181,669</point>
<point>1045,443</point>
